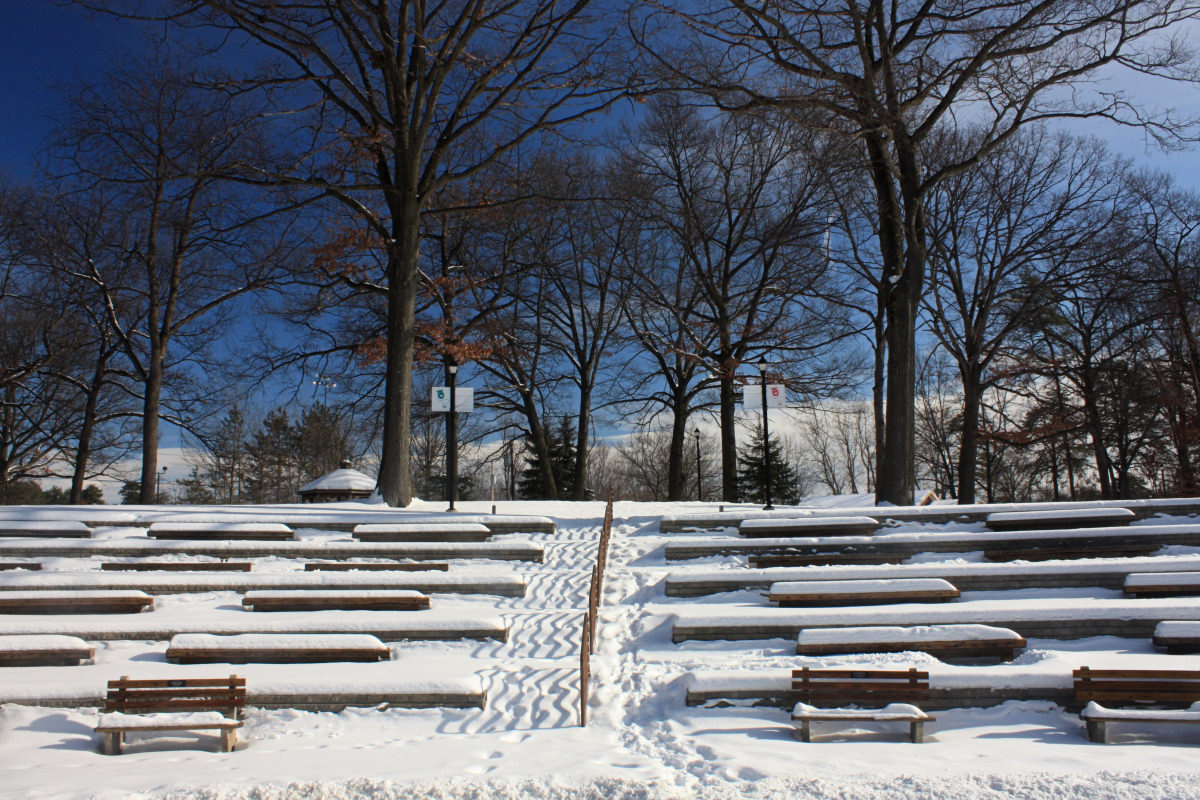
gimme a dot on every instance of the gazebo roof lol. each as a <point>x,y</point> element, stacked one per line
<point>341,480</point>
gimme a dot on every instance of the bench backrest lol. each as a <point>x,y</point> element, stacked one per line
<point>1165,686</point>
<point>853,686</point>
<point>227,695</point>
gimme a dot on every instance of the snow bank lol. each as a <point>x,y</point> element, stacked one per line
<point>917,633</point>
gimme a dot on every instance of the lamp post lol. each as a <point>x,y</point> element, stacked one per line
<point>158,481</point>
<point>452,437</point>
<point>699,491</point>
<point>762,370</point>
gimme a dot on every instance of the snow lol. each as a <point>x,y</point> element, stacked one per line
<point>892,711</point>
<point>1062,514</point>
<point>423,527</point>
<point>642,741</point>
<point>330,594</point>
<point>82,594</point>
<point>194,719</point>
<point>915,633</point>
<point>34,525</point>
<point>20,644</point>
<point>1177,628</point>
<point>1163,579</point>
<point>247,581</point>
<point>886,586</point>
<point>341,480</point>
<point>1094,710</point>
<point>222,527</point>
<point>817,523</point>
<point>275,641</point>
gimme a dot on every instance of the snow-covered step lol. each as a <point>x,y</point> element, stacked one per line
<point>149,548</point>
<point>941,641</point>
<point>1090,540</point>
<point>506,585</point>
<point>43,529</point>
<point>800,594</point>
<point>275,648</point>
<point>967,577</point>
<point>389,626</point>
<point>44,650</point>
<point>1063,619</point>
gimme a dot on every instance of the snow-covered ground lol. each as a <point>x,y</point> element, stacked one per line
<point>642,741</point>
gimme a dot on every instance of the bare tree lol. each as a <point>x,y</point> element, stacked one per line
<point>889,76</point>
<point>406,98</point>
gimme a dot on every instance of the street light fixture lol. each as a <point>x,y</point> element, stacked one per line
<point>157,482</point>
<point>452,437</point>
<point>762,371</point>
<point>699,491</point>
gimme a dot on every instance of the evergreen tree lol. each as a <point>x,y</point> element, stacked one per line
<point>751,476</point>
<point>272,472</point>
<point>532,485</point>
<point>322,442</point>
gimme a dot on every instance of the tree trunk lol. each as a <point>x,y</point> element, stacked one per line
<point>150,419</point>
<point>675,472</point>
<point>729,483</point>
<point>395,480</point>
<point>579,479</point>
<point>968,450</point>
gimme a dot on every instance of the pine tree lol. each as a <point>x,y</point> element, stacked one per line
<point>272,473</point>
<point>561,441</point>
<point>322,442</point>
<point>751,477</point>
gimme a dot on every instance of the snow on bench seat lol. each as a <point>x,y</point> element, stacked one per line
<point>808,526</point>
<point>270,531</point>
<point>423,532</point>
<point>43,529</point>
<point>276,648</point>
<point>940,641</point>
<point>826,693</point>
<point>861,592</point>
<point>98,601</point>
<point>316,599</point>
<point>508,585</point>
<point>1177,637</point>
<point>1158,584</point>
<point>49,650</point>
<point>375,566</point>
<point>1059,518</point>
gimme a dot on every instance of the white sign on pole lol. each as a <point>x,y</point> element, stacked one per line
<point>752,396</point>
<point>464,398</point>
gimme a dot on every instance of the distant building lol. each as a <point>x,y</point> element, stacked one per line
<point>341,484</point>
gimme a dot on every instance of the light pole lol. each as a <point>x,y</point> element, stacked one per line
<point>699,491</point>
<point>452,437</point>
<point>762,371</point>
<point>157,482</point>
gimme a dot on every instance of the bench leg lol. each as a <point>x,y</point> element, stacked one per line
<point>1097,731</point>
<point>805,731</point>
<point>110,743</point>
<point>916,732</point>
<point>228,739</point>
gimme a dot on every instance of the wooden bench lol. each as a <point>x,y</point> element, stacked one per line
<point>43,530</point>
<point>1059,519</point>
<point>824,695</point>
<point>1159,696</point>
<point>1068,550</point>
<point>138,706</point>
<point>275,648</point>
<point>1177,637</point>
<point>43,650</point>
<point>947,642</point>
<point>824,559</point>
<point>1162,584</point>
<point>794,594</point>
<point>32,565</point>
<point>808,526</point>
<point>349,599</point>
<point>423,532</point>
<point>347,566</point>
<point>223,531</point>
<point>84,601</point>
<point>176,566</point>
